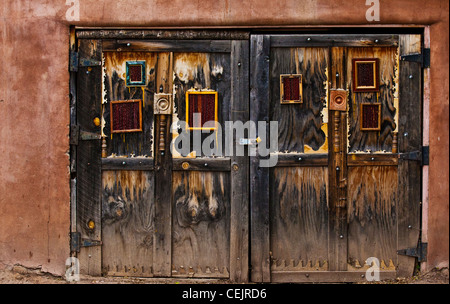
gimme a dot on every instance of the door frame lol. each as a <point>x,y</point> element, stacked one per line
<point>248,253</point>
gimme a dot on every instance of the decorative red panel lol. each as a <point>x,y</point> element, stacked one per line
<point>291,88</point>
<point>365,75</point>
<point>204,103</point>
<point>370,117</point>
<point>126,116</point>
<point>135,73</point>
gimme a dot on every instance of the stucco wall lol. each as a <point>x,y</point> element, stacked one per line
<point>34,102</point>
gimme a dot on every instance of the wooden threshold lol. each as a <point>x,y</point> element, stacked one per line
<point>326,276</point>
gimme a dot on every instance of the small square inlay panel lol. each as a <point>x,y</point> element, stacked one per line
<point>291,88</point>
<point>338,100</point>
<point>203,103</point>
<point>370,117</point>
<point>135,73</point>
<point>365,75</point>
<point>126,116</point>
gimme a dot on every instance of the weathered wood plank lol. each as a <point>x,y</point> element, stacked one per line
<point>127,223</point>
<point>299,214</point>
<point>302,160</point>
<point>162,254</point>
<point>201,71</point>
<point>410,139</point>
<point>372,214</point>
<point>121,163</point>
<point>202,164</point>
<point>88,157</point>
<point>366,40</point>
<point>378,159</point>
<point>114,84</point>
<point>300,125</point>
<point>337,212</point>
<point>239,218</point>
<point>210,46</point>
<point>259,181</point>
<point>201,223</point>
<point>364,141</point>
<point>326,276</point>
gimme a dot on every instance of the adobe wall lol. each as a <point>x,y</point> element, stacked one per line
<point>34,101</point>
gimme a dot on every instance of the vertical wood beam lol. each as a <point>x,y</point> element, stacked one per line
<point>89,96</point>
<point>162,238</point>
<point>259,183</point>
<point>409,139</point>
<point>239,241</point>
<point>337,226</point>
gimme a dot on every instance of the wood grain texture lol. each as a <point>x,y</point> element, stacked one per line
<point>299,124</point>
<point>162,252</point>
<point>201,71</point>
<point>299,214</point>
<point>373,141</point>
<point>221,46</point>
<point>127,223</point>
<point>88,156</point>
<point>239,176</point>
<point>259,176</point>
<point>372,214</point>
<point>115,88</point>
<point>409,139</point>
<point>201,221</point>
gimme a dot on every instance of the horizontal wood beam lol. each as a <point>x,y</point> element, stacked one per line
<point>201,164</point>
<point>326,276</point>
<point>372,40</point>
<point>120,163</point>
<point>301,160</point>
<point>372,160</point>
<point>210,46</point>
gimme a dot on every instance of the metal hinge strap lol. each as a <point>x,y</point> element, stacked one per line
<point>76,134</point>
<point>420,252</point>
<point>76,242</point>
<point>422,156</point>
<point>76,62</point>
<point>422,58</point>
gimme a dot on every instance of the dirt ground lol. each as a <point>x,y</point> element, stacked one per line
<point>22,275</point>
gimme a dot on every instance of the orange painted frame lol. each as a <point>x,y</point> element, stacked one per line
<point>112,118</point>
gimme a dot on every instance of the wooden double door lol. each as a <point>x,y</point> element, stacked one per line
<point>339,192</point>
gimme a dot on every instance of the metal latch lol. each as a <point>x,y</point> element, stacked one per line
<point>249,141</point>
<point>422,58</point>
<point>76,134</point>
<point>420,252</point>
<point>76,242</point>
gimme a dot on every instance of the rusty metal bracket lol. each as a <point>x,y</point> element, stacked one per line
<point>76,242</point>
<point>76,135</point>
<point>420,252</point>
<point>75,62</point>
<point>422,58</point>
<point>422,156</point>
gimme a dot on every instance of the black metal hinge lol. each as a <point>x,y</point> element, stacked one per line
<point>423,58</point>
<point>75,61</point>
<point>420,252</point>
<point>76,242</point>
<point>76,135</point>
<point>422,156</point>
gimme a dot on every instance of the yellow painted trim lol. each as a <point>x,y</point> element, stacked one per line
<point>216,108</point>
